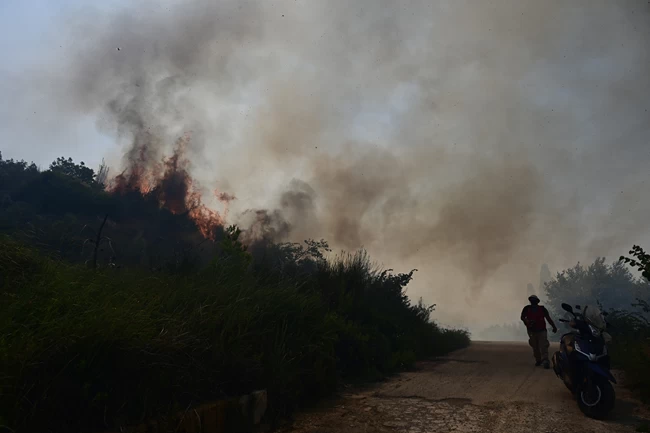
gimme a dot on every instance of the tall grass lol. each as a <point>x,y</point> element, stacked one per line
<point>84,350</point>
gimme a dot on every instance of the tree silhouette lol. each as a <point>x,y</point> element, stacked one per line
<point>641,260</point>
<point>77,171</point>
<point>102,175</point>
<point>613,286</point>
<point>97,241</point>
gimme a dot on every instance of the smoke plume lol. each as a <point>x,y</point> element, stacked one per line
<point>471,140</point>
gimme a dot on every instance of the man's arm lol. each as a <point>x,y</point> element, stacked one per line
<point>523,315</point>
<point>550,321</point>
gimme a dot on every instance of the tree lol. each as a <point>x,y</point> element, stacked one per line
<point>544,277</point>
<point>233,252</point>
<point>10,168</point>
<point>102,175</point>
<point>641,261</point>
<point>530,290</point>
<point>13,176</point>
<point>97,242</point>
<point>77,171</point>
<point>613,286</point>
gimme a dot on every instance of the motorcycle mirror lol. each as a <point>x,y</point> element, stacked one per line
<point>578,307</point>
<point>567,307</point>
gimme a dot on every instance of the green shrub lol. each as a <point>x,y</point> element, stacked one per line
<point>90,350</point>
<point>630,348</point>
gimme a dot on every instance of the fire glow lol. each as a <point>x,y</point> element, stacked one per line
<point>169,182</point>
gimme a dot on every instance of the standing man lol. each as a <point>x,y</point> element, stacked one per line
<point>535,317</point>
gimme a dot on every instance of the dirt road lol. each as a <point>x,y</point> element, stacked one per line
<point>489,387</point>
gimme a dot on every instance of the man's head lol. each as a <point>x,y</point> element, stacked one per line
<point>534,300</point>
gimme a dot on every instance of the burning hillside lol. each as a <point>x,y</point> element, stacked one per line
<point>461,158</point>
<point>168,181</point>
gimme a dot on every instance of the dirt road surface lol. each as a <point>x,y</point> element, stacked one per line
<point>488,387</point>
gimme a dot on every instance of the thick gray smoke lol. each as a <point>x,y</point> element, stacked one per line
<point>472,140</point>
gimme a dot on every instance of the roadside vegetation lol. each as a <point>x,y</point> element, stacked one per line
<point>114,310</point>
<point>632,350</point>
<point>626,299</point>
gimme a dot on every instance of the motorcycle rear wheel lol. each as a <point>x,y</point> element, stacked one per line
<point>597,401</point>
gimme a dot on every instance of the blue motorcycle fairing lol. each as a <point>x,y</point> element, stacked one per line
<point>601,371</point>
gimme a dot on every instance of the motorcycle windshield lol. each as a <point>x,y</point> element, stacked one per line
<point>594,316</point>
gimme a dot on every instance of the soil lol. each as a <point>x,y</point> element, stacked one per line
<point>488,387</point>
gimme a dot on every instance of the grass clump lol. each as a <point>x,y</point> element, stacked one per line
<point>91,350</point>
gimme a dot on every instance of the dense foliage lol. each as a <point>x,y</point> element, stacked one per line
<point>176,320</point>
<point>632,327</point>
<point>624,297</point>
<point>611,285</point>
<point>60,210</point>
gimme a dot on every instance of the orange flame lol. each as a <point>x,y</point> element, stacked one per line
<point>170,183</point>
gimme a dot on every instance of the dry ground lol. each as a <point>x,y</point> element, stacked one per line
<point>488,387</point>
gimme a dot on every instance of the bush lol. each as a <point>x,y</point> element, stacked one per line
<point>630,347</point>
<point>616,289</point>
<point>88,350</point>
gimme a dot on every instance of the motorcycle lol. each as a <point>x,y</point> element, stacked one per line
<point>583,363</point>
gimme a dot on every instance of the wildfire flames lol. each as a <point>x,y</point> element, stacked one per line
<point>169,182</point>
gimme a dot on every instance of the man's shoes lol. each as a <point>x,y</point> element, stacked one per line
<point>547,365</point>
<point>538,363</point>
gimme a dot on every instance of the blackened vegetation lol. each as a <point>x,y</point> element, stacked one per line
<point>155,219</point>
<point>97,241</point>
<point>175,309</point>
<point>169,183</point>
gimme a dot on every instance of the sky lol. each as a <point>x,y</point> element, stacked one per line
<point>473,141</point>
<point>31,40</point>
